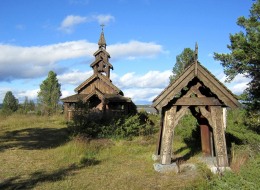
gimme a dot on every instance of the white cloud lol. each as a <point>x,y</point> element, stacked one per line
<point>240,78</point>
<point>152,79</point>
<point>143,88</point>
<point>31,94</point>
<point>75,77</point>
<point>104,19</point>
<point>66,93</point>
<point>70,21</point>
<point>237,85</point>
<point>142,95</point>
<point>37,61</point>
<point>134,49</point>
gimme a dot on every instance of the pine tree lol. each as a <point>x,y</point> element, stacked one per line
<point>10,103</point>
<point>183,60</point>
<point>245,56</point>
<point>49,94</point>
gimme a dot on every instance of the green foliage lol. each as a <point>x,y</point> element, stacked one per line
<point>188,133</point>
<point>247,178</point>
<point>10,103</point>
<point>27,107</point>
<point>238,131</point>
<point>244,57</point>
<point>95,124</point>
<point>186,126</point>
<point>86,121</point>
<point>49,94</point>
<point>183,60</point>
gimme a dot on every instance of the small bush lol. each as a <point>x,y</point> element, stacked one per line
<point>95,124</point>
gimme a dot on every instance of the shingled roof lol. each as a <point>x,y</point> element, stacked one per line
<point>205,76</point>
<point>97,76</point>
<point>74,98</point>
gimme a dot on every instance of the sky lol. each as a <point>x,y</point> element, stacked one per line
<point>143,38</point>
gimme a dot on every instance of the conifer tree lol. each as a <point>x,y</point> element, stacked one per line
<point>49,94</point>
<point>10,103</point>
<point>183,60</point>
<point>245,56</point>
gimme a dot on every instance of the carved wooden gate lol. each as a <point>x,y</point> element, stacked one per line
<point>207,98</point>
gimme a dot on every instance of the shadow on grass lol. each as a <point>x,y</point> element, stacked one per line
<point>43,176</point>
<point>33,138</point>
<point>193,143</point>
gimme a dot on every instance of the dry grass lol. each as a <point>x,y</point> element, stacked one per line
<point>240,156</point>
<point>36,153</point>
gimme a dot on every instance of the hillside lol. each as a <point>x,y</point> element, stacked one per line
<point>38,153</point>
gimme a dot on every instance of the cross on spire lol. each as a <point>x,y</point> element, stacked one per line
<point>102,26</point>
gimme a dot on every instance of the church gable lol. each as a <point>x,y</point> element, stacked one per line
<point>100,82</point>
<point>104,86</point>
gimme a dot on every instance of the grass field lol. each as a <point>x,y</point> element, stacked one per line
<point>38,153</point>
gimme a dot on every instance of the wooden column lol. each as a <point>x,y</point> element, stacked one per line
<point>159,142</point>
<point>171,119</point>
<point>219,136</point>
<point>167,136</point>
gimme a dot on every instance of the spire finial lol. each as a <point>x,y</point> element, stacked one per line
<point>102,41</point>
<point>196,52</point>
<point>196,59</point>
<point>102,26</point>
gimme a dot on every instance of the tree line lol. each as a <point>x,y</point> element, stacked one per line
<point>47,102</point>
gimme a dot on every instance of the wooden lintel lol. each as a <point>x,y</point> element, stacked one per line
<point>198,101</point>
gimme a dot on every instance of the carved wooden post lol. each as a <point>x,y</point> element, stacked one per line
<point>159,143</point>
<point>167,136</point>
<point>219,136</point>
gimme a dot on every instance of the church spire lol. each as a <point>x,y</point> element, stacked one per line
<point>102,41</point>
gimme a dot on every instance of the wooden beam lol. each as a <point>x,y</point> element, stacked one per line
<point>198,101</point>
<point>174,88</point>
<point>217,88</point>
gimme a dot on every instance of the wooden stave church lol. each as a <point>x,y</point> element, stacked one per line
<point>98,90</point>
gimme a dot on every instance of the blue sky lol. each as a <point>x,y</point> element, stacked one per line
<point>143,37</point>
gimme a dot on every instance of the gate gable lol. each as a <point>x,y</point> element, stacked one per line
<point>196,70</point>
